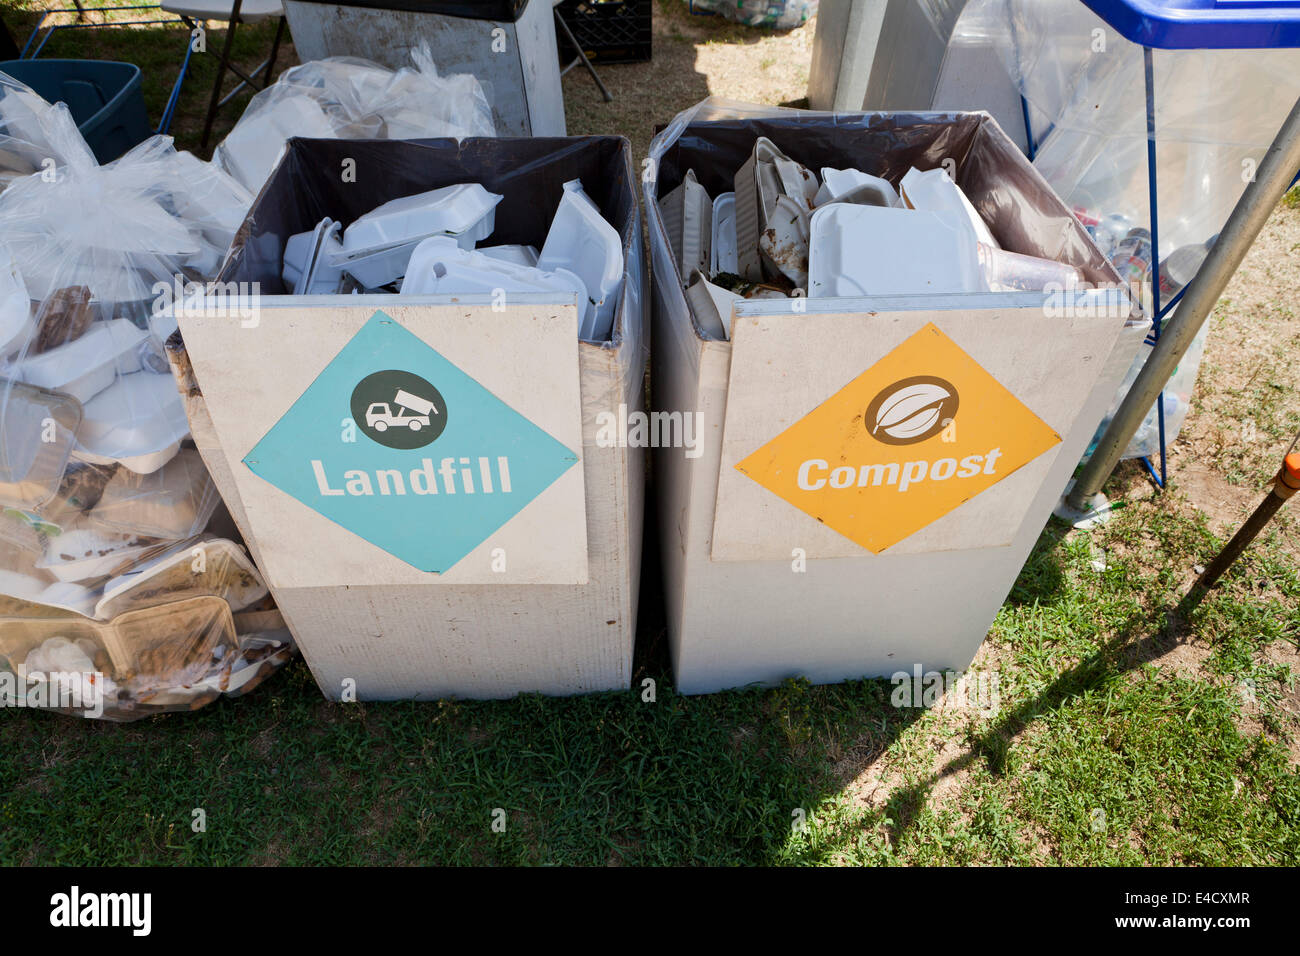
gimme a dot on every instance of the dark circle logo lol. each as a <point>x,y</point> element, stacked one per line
<point>398,409</point>
<point>911,410</point>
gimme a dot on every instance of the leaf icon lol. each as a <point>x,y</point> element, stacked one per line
<point>911,411</point>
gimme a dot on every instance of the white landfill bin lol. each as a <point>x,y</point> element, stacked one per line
<point>794,542</point>
<point>496,549</point>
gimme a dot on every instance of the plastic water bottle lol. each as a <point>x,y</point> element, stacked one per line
<point>1109,231</point>
<point>1179,268</point>
<point>1132,256</point>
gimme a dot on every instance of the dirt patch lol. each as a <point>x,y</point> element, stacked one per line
<point>874,785</point>
<point>1185,659</point>
<point>1224,504</point>
<point>1243,411</point>
<point>952,763</point>
<point>857,760</point>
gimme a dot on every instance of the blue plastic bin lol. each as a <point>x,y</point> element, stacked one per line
<point>104,98</point>
<point>1203,24</point>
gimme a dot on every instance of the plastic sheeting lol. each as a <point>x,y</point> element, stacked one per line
<point>1215,114</point>
<point>352,99</point>
<point>34,134</point>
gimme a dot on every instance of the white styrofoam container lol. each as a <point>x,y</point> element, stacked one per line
<point>582,242</point>
<point>860,250</point>
<point>465,211</point>
<point>253,148</point>
<point>86,366</point>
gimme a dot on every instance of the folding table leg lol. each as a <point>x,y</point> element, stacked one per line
<point>275,50</point>
<point>215,102</point>
<point>582,56</point>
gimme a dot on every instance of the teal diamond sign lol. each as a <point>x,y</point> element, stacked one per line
<point>398,445</point>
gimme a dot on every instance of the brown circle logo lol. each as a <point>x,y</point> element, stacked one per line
<point>911,410</point>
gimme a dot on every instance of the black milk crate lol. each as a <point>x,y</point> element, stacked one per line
<point>609,31</point>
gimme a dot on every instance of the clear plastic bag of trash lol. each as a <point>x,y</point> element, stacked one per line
<point>173,628</point>
<point>84,377</point>
<point>41,138</point>
<point>1080,96</point>
<point>773,14</point>
<point>105,573</point>
<point>209,201</point>
<point>35,135</point>
<point>351,98</point>
<point>1083,91</point>
<point>176,656</point>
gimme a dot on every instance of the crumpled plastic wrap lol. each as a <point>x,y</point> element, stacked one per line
<point>34,134</point>
<point>774,14</point>
<point>107,578</point>
<point>351,98</point>
<point>41,139</point>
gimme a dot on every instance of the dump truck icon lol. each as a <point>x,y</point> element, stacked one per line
<point>412,412</point>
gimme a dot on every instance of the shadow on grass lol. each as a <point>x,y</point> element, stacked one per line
<point>640,777</point>
<point>1145,637</point>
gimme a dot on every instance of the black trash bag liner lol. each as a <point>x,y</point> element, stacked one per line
<point>530,172</point>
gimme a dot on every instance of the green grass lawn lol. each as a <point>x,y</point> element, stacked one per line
<point>1096,752</point>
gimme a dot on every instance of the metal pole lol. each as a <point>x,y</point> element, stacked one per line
<point>1285,485</point>
<point>1247,219</point>
<point>581,58</point>
<point>1153,207</point>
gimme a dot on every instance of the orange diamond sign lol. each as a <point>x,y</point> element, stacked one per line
<point>907,441</point>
